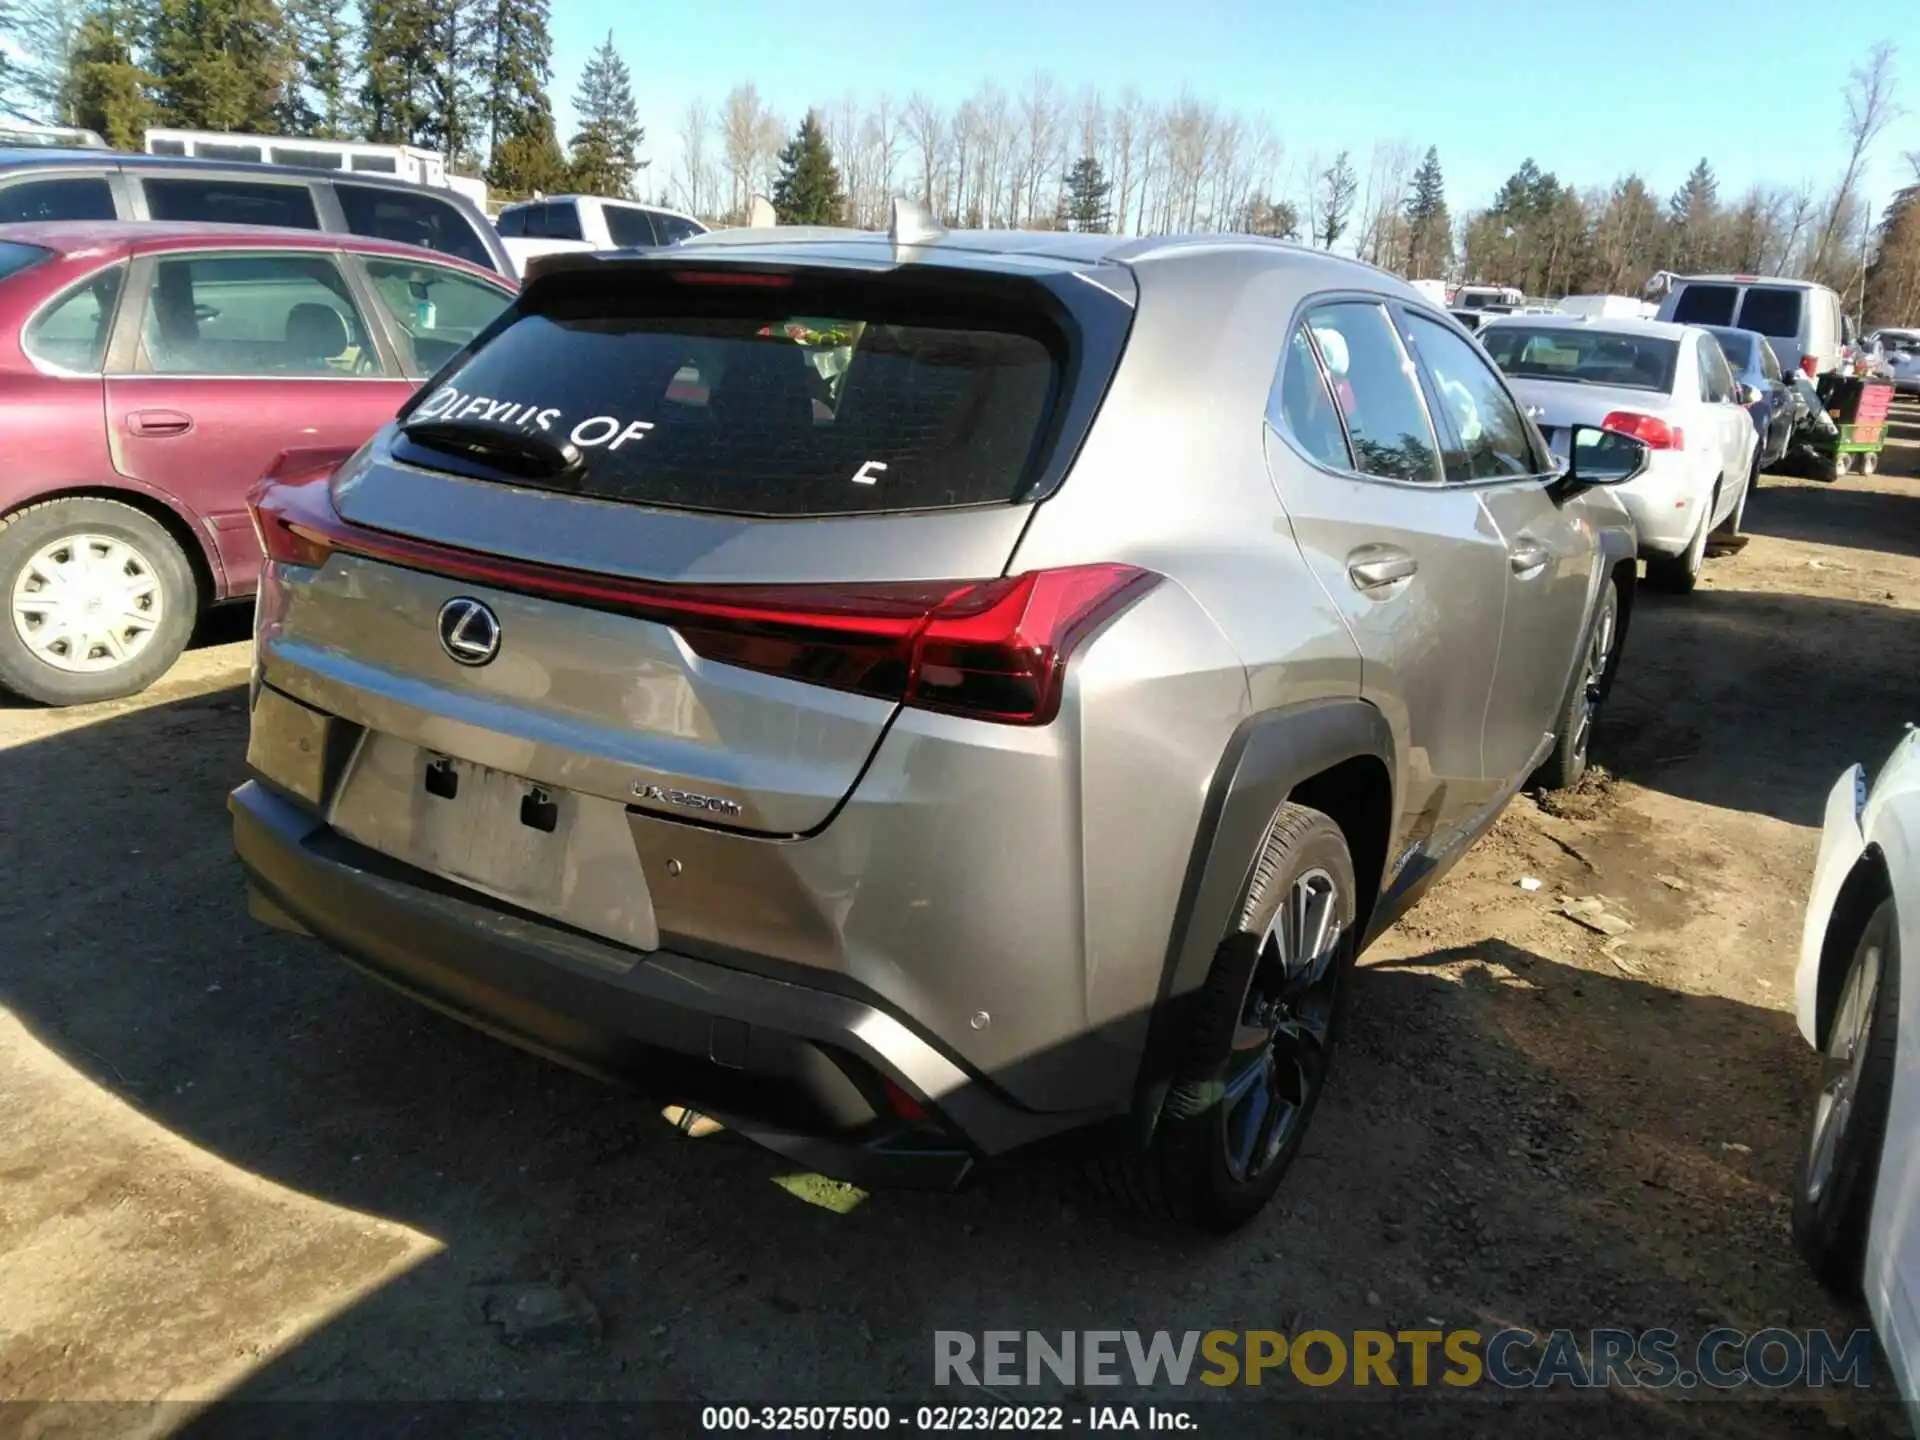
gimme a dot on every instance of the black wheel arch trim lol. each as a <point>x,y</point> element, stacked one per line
<point>1866,885</point>
<point>1269,756</point>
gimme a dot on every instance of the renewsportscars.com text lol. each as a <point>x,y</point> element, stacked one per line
<point>1721,1359</point>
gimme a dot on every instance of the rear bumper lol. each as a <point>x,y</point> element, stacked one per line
<point>799,1069</point>
<point>1666,501</point>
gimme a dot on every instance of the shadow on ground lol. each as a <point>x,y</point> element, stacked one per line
<point>1464,1167</point>
<point>1857,512</point>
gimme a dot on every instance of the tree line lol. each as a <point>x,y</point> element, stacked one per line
<point>467,78</point>
<point>471,79</point>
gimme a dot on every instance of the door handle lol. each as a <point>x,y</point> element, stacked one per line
<point>1378,566</point>
<point>159,422</point>
<point>1528,559</point>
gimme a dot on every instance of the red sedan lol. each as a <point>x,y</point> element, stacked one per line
<point>149,374</point>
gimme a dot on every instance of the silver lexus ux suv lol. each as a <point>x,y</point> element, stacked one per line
<point>914,695</point>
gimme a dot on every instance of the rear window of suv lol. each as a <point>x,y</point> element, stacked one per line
<point>746,407</point>
<point>1772,310</point>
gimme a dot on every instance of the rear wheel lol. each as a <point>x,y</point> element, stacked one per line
<point>1736,517</point>
<point>1843,463</point>
<point>96,601</point>
<point>1678,574</point>
<point>1256,1058</point>
<point>1870,463</point>
<point>1834,1198</point>
<point>1566,764</point>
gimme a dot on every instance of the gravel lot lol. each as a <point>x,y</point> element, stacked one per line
<point>233,1168</point>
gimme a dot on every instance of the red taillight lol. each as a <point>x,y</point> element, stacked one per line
<point>990,649</point>
<point>293,516</point>
<point>903,1104</point>
<point>1650,430</point>
<point>1807,364</point>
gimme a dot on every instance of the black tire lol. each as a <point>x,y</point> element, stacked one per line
<point>28,533</point>
<point>1190,1173</point>
<point>1679,574</point>
<point>1730,527</point>
<point>1833,1196</point>
<point>1566,763</point>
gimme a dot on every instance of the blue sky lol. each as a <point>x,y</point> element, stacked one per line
<point>1589,88</point>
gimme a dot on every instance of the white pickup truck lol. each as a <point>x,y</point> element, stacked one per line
<point>588,222</point>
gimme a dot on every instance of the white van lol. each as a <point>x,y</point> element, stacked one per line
<point>1801,318</point>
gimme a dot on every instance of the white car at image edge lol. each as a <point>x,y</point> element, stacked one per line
<point>1856,1212</point>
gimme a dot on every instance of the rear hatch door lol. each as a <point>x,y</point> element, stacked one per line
<point>703,500</point>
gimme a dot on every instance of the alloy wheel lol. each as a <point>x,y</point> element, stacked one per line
<point>1593,683</point>
<point>1279,1056</point>
<point>87,603</point>
<point>1840,1083</point>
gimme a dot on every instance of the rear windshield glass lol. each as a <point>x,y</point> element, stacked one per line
<point>1771,311</point>
<point>1583,357</point>
<point>1707,305</point>
<point>758,411</point>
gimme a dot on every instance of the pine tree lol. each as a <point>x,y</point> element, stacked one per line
<point>807,191</point>
<point>1086,197</point>
<point>220,64</point>
<point>107,91</point>
<point>321,102</point>
<point>605,151</point>
<point>457,57</point>
<point>1338,185</point>
<point>1694,217</point>
<point>397,62</point>
<point>524,152</point>
<point>1429,226</point>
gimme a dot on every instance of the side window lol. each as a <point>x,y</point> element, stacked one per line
<point>672,229</point>
<point>1769,362</point>
<point>412,219</point>
<point>71,333</point>
<point>1373,383</point>
<point>1716,381</point>
<point>1305,406</point>
<point>231,202</point>
<point>1492,438</point>
<point>512,223</point>
<point>563,221</point>
<point>436,310</point>
<point>74,197</point>
<point>254,315</point>
<point>628,226</point>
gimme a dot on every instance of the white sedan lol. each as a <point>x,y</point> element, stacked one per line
<point>1666,385</point>
<point>1856,1211</point>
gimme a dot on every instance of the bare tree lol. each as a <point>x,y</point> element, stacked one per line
<point>696,165</point>
<point>926,130</point>
<point>748,132</point>
<point>1870,109</point>
<point>1123,129</point>
<point>1039,153</point>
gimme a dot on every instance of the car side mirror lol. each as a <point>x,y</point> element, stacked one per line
<point>1602,457</point>
<point>1745,395</point>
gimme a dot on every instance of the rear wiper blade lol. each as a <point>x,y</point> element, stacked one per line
<point>513,452</point>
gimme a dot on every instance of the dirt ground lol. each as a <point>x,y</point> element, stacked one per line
<point>229,1168</point>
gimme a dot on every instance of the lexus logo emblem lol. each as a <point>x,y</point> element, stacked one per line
<point>469,631</point>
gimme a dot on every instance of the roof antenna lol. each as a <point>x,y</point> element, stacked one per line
<point>912,224</point>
